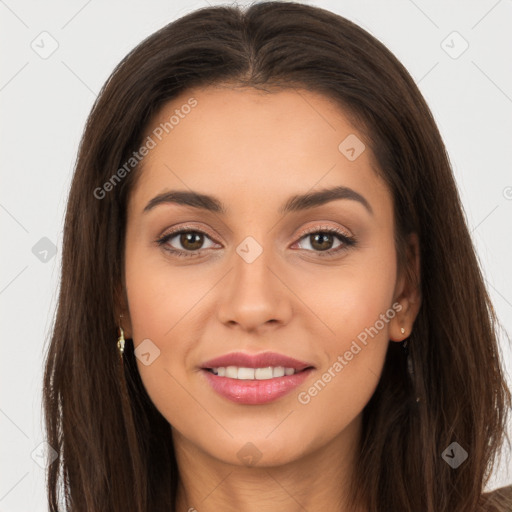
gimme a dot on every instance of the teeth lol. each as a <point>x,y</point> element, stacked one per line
<point>241,373</point>
<point>263,373</point>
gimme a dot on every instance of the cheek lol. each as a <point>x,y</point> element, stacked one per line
<point>164,303</point>
<point>154,311</point>
<point>158,312</point>
<point>351,299</point>
<point>356,304</point>
<point>161,297</point>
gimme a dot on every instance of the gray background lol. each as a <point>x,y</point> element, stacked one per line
<point>45,100</point>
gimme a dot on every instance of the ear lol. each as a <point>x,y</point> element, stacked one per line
<point>407,292</point>
<point>122,311</point>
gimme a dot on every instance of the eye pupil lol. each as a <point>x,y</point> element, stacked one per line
<point>322,237</point>
<point>187,237</point>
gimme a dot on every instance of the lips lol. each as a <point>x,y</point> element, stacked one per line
<point>262,360</point>
<point>258,389</point>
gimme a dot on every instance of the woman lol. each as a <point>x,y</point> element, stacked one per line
<point>269,297</point>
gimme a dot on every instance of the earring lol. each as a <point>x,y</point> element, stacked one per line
<point>120,341</point>
<point>402,330</point>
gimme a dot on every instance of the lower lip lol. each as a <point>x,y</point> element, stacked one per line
<point>255,392</point>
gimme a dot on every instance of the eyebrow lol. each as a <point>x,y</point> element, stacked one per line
<point>295,203</point>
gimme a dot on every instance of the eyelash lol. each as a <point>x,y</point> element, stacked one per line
<point>347,241</point>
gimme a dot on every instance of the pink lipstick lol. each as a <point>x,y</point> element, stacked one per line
<point>255,379</point>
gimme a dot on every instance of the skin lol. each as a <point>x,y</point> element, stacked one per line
<point>254,150</point>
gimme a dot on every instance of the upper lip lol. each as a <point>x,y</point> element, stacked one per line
<point>262,360</point>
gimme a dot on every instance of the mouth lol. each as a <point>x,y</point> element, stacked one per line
<point>254,379</point>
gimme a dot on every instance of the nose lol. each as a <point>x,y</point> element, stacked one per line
<point>254,294</point>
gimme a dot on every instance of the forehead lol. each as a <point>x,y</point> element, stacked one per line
<point>223,140</point>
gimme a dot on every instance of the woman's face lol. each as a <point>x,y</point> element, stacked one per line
<point>265,273</point>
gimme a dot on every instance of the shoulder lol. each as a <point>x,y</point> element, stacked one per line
<point>499,500</point>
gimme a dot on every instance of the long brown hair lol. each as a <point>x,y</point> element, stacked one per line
<point>115,450</point>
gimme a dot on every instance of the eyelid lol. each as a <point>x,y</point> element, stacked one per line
<point>187,227</point>
<point>316,228</point>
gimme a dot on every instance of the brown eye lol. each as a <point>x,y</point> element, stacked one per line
<point>189,242</point>
<point>322,239</point>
